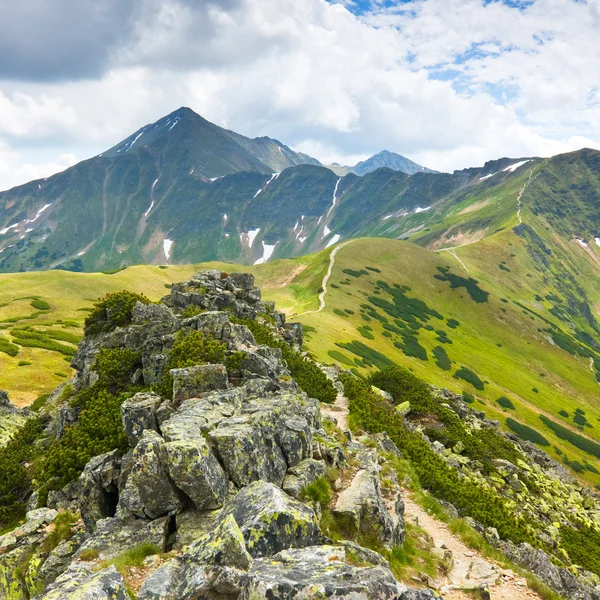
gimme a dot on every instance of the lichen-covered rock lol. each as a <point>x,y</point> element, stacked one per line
<point>304,473</point>
<point>248,452</point>
<point>361,508</point>
<point>215,564</point>
<point>192,382</point>
<point>271,521</point>
<point>98,488</point>
<point>11,418</point>
<point>81,583</point>
<point>138,413</point>
<point>113,536</point>
<point>319,572</point>
<point>194,469</point>
<point>149,492</point>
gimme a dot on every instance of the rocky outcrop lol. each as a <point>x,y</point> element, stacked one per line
<point>216,477</point>
<point>316,572</point>
<point>361,509</point>
<point>82,582</point>
<point>11,418</point>
<point>271,521</point>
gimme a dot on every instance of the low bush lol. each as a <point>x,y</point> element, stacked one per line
<point>114,310</point>
<point>40,304</point>
<point>442,360</point>
<point>8,348</point>
<point>469,376</point>
<point>504,402</point>
<point>318,491</point>
<point>588,446</point>
<point>526,433</point>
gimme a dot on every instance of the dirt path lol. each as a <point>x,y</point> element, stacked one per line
<point>338,410</point>
<point>469,567</point>
<point>326,280</point>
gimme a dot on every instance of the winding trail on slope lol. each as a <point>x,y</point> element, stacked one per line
<point>508,586</point>
<point>326,280</point>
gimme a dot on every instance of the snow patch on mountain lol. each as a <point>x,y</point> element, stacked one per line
<point>337,183</point>
<point>167,245</point>
<point>334,240</point>
<point>514,167</point>
<point>268,250</point>
<point>419,209</point>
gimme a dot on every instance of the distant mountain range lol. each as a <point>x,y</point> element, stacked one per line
<point>184,190</point>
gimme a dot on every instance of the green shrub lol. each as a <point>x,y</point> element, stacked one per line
<point>504,402</point>
<point>469,376</point>
<point>582,546</point>
<point>24,363</point>
<point>15,471</point>
<point>374,269</point>
<point>8,348</point>
<point>468,397</point>
<point>191,311</point>
<point>34,339</point>
<point>114,310</point>
<point>319,491</point>
<point>40,304</point>
<point>339,313</point>
<point>588,446</point>
<point>526,433</point>
<point>190,350</point>
<point>456,281</point>
<point>452,323</point>
<point>371,356</point>
<point>39,402</point>
<point>342,358</point>
<point>442,360</point>
<point>564,414</point>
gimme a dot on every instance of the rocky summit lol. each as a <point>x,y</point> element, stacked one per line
<point>209,476</point>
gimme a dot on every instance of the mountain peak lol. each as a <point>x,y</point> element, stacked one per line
<point>391,160</point>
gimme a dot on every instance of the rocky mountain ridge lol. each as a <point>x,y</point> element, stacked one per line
<point>188,441</point>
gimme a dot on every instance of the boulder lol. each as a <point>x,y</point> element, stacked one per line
<point>113,536</point>
<point>271,521</point>
<point>248,452</point>
<point>80,582</point>
<point>319,572</point>
<point>361,509</point>
<point>149,492</point>
<point>215,564</point>
<point>138,413</point>
<point>301,475</point>
<point>192,382</point>
<point>194,469</point>
<point>98,488</point>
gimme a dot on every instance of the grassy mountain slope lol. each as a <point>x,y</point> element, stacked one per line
<point>503,343</point>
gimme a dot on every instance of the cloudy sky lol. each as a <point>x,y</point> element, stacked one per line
<point>448,83</point>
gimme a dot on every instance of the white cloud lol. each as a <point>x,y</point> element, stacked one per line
<point>15,170</point>
<point>449,83</point>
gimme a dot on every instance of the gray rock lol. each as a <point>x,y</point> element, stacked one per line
<point>194,469</point>
<point>361,509</point>
<point>301,475</point>
<point>98,488</point>
<point>138,413</point>
<point>113,536</point>
<point>271,521</point>
<point>191,382</point>
<point>248,452</point>
<point>319,572</point>
<point>80,583</point>
<point>149,492</point>
<point>215,564</point>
